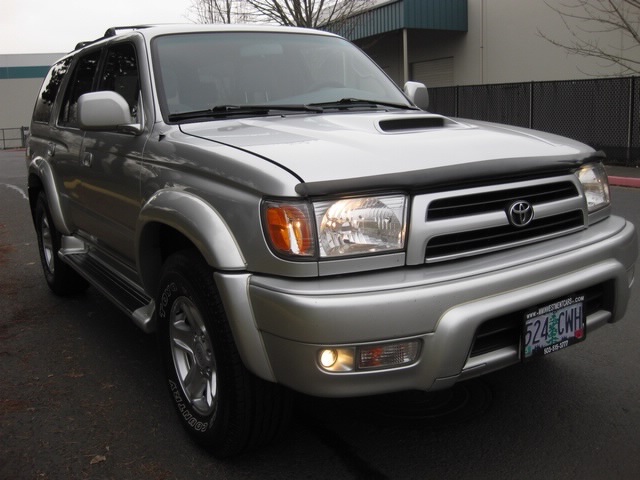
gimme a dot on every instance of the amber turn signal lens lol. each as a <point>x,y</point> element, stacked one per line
<point>289,229</point>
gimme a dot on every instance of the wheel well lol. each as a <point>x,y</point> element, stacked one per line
<point>171,241</point>
<point>35,186</point>
<point>157,243</point>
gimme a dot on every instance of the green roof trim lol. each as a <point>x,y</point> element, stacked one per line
<point>436,14</point>
<point>7,73</point>
<point>411,14</point>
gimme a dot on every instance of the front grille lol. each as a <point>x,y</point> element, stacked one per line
<point>475,221</point>
<point>508,235</point>
<point>505,331</point>
<point>477,203</point>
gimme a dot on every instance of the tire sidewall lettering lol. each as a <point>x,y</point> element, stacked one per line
<point>183,409</point>
<point>165,299</point>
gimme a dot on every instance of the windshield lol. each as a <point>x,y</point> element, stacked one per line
<point>200,72</point>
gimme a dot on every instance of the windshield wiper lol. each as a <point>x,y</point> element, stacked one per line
<point>225,111</point>
<point>361,103</point>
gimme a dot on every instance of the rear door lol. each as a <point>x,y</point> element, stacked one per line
<point>67,138</point>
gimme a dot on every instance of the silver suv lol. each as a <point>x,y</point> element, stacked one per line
<point>285,218</point>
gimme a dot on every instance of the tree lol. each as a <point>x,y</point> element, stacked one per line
<point>308,13</point>
<point>297,13</point>
<point>219,11</point>
<point>591,26</point>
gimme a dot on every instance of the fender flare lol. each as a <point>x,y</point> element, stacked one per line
<point>194,218</point>
<point>42,170</point>
<point>203,226</point>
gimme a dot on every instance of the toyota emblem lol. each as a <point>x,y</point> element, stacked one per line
<point>520,213</point>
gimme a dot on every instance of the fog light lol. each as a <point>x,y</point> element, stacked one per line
<point>337,359</point>
<point>388,355</point>
<point>328,358</point>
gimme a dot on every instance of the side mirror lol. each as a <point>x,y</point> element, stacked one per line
<point>106,110</point>
<point>418,94</point>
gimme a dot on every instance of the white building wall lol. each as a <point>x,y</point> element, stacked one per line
<point>17,98</point>
<point>503,44</point>
<point>18,95</point>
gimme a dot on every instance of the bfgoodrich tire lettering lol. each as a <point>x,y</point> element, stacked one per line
<point>220,403</point>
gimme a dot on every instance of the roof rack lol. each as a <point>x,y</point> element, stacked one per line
<point>111,32</point>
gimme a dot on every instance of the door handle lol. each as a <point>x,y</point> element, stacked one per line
<point>87,159</point>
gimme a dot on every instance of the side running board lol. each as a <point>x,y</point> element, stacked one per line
<point>125,294</point>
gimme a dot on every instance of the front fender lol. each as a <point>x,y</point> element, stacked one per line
<point>196,220</point>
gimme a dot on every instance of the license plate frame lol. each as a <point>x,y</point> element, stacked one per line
<point>553,326</point>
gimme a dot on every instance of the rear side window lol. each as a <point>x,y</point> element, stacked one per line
<point>81,82</point>
<point>49,91</point>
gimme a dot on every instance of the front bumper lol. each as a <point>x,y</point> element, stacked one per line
<point>441,305</point>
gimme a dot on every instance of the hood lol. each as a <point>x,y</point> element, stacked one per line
<point>330,152</point>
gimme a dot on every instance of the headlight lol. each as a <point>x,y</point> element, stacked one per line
<point>595,185</point>
<point>358,226</point>
<point>337,228</point>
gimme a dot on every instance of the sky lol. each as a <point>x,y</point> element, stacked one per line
<point>56,26</point>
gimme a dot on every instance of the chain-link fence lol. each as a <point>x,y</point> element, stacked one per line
<point>604,113</point>
<point>13,137</point>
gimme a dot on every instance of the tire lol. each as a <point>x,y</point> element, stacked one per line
<point>220,403</point>
<point>61,278</point>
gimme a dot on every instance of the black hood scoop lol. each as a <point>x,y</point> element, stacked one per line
<point>411,123</point>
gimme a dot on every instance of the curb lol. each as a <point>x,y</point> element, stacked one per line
<point>624,182</point>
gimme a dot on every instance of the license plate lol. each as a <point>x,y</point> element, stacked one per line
<point>553,326</point>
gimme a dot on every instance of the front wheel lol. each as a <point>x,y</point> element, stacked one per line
<point>221,404</point>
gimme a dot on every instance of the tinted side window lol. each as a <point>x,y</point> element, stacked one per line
<point>81,82</point>
<point>49,91</point>
<point>120,74</point>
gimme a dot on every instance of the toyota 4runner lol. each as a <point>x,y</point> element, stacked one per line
<point>285,218</point>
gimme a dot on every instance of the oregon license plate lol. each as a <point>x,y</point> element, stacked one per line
<point>553,326</point>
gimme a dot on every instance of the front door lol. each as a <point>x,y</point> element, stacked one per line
<point>112,161</point>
